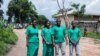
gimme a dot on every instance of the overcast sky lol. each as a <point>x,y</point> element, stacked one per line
<point>50,7</point>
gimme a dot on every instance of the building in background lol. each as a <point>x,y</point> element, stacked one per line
<point>89,20</point>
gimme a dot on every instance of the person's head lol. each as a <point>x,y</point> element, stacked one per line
<point>47,24</point>
<point>58,22</point>
<point>74,23</point>
<point>34,22</point>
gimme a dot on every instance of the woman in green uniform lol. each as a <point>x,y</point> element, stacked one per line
<point>47,40</point>
<point>32,39</point>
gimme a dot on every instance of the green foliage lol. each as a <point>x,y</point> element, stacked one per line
<point>22,10</point>
<point>41,19</point>
<point>79,10</point>
<point>95,36</point>
<point>1,13</point>
<point>7,36</point>
<point>3,48</point>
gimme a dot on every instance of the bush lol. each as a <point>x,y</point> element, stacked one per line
<point>3,48</point>
<point>7,37</point>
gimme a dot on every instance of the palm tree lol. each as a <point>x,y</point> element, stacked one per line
<point>78,9</point>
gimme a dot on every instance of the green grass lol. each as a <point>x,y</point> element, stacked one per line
<point>93,35</point>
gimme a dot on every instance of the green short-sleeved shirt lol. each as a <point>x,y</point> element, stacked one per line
<point>59,34</point>
<point>32,34</point>
<point>74,35</point>
<point>47,34</point>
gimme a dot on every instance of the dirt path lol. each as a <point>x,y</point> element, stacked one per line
<point>20,48</point>
<point>87,47</point>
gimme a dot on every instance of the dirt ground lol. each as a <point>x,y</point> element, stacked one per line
<point>87,46</point>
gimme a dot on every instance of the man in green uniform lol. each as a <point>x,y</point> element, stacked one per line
<point>47,40</point>
<point>74,35</point>
<point>59,38</point>
<point>32,40</point>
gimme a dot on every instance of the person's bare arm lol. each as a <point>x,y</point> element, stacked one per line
<point>44,40</point>
<point>53,41</point>
<point>26,41</point>
<point>66,38</point>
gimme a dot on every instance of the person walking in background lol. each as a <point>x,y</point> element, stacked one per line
<point>85,31</point>
<point>59,38</point>
<point>48,48</point>
<point>74,35</point>
<point>32,39</point>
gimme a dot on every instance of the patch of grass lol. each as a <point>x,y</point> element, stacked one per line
<point>96,41</point>
<point>93,35</point>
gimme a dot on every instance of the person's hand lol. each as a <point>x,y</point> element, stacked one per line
<point>53,44</point>
<point>47,43</point>
<point>77,42</point>
<point>66,42</point>
<point>74,44</point>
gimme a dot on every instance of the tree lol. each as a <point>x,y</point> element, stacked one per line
<point>1,1</point>
<point>41,19</point>
<point>78,9</point>
<point>21,10</point>
<point>63,11</point>
<point>1,13</point>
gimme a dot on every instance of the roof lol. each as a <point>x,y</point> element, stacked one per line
<point>69,13</point>
<point>94,13</point>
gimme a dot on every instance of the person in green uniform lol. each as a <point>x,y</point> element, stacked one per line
<point>32,39</point>
<point>48,48</point>
<point>74,35</point>
<point>59,32</point>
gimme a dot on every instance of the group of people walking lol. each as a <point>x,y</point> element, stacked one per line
<point>54,39</point>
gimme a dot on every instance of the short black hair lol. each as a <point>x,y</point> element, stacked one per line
<point>33,20</point>
<point>57,20</point>
<point>46,22</point>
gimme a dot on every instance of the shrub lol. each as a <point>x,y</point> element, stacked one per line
<point>3,48</point>
<point>7,37</point>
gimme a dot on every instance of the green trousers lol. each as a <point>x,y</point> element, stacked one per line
<point>48,50</point>
<point>32,49</point>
